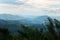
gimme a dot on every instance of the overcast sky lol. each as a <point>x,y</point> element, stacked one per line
<point>30,7</point>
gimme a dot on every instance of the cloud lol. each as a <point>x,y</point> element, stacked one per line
<point>21,1</point>
<point>54,5</point>
<point>54,0</point>
<point>13,2</point>
<point>30,7</point>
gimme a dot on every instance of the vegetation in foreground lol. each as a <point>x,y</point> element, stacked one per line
<point>51,31</point>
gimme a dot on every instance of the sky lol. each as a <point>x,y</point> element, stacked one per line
<point>30,7</point>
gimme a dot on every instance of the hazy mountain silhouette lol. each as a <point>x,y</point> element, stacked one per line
<point>12,22</point>
<point>10,17</point>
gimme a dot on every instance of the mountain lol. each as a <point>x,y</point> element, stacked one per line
<point>40,19</point>
<point>20,19</point>
<point>29,19</point>
<point>13,22</point>
<point>58,18</point>
<point>10,17</point>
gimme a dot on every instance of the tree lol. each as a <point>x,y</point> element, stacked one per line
<point>57,23</point>
<point>4,34</point>
<point>30,33</point>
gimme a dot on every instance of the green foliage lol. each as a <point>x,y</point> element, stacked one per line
<point>35,34</point>
<point>28,33</point>
<point>4,34</point>
<point>57,23</point>
<point>51,34</point>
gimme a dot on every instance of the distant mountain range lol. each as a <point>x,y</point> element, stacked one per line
<point>37,19</point>
<point>25,20</point>
<point>16,17</point>
<point>12,22</point>
<point>10,17</point>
